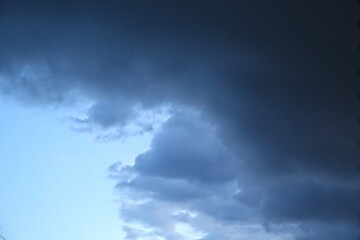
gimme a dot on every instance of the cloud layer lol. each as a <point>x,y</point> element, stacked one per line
<point>261,138</point>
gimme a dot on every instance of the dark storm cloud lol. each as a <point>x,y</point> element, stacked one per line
<point>276,79</point>
<point>311,202</point>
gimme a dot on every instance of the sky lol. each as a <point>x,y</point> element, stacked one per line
<point>179,120</point>
<point>54,181</point>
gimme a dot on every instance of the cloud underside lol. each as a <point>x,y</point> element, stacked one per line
<point>252,106</point>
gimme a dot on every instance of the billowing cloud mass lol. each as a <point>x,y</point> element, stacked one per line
<point>252,105</point>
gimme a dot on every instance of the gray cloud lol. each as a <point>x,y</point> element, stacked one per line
<point>274,143</point>
<point>186,148</point>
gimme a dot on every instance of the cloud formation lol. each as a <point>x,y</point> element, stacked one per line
<point>261,138</point>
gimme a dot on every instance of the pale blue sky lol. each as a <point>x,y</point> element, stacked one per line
<point>54,181</point>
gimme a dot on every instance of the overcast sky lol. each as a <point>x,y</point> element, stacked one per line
<point>179,120</point>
